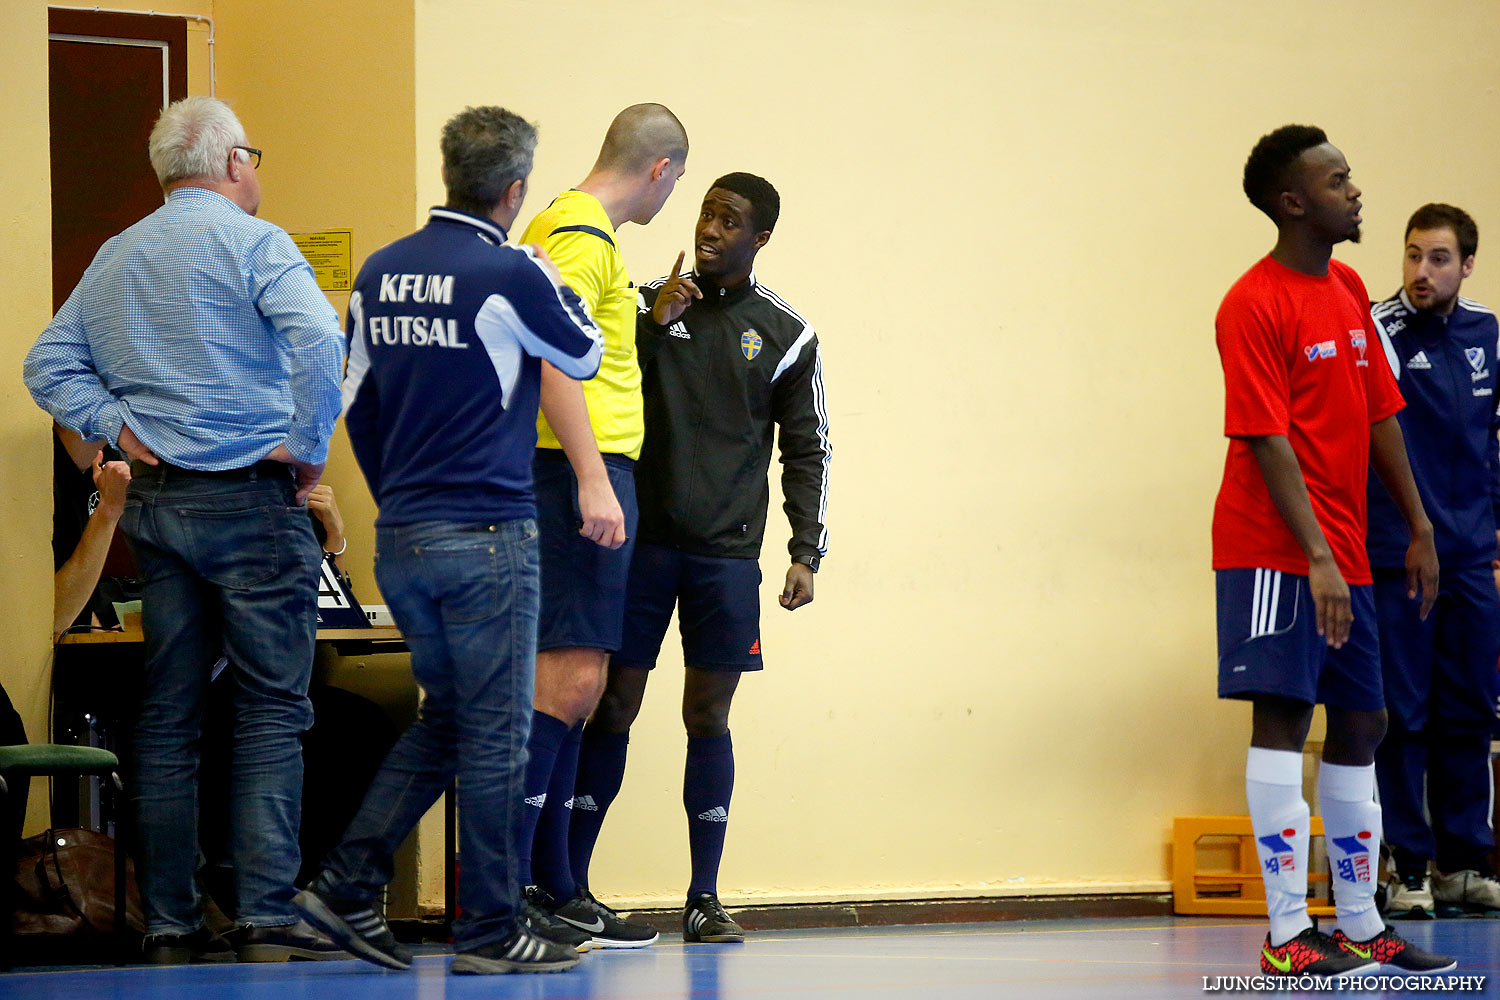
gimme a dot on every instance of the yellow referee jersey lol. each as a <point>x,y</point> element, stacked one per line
<point>577,235</point>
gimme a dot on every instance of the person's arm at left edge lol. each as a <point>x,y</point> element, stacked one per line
<point>1388,457</point>
<point>288,296</point>
<point>800,408</point>
<point>74,582</point>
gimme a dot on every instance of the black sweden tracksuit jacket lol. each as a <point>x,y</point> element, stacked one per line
<point>735,365</point>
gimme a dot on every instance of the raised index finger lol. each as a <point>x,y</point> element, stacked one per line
<point>677,267</point>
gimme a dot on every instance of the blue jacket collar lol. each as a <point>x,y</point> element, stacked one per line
<point>485,226</point>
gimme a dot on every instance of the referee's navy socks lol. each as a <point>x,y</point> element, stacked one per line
<point>601,769</point>
<point>549,851</point>
<point>707,783</point>
<point>547,734</point>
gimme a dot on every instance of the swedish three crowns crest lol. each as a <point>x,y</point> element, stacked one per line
<point>750,344</point>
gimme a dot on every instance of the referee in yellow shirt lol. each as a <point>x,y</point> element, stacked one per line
<point>588,437</point>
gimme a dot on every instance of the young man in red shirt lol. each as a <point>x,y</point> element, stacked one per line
<point>1307,413</point>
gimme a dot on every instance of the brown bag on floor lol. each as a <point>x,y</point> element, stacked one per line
<point>65,886</point>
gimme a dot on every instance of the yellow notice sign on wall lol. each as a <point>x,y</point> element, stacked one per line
<point>331,254</point>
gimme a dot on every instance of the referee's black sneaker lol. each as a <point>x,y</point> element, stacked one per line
<point>704,919</point>
<point>523,951</point>
<point>358,928</point>
<point>548,927</point>
<point>606,927</point>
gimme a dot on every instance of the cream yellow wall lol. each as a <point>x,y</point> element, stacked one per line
<point>26,304</point>
<point>326,89</point>
<point>1011,224</point>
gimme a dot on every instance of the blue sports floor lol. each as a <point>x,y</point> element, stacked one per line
<point>1156,958</point>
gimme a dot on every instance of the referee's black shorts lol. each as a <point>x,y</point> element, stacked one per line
<point>583,583</point>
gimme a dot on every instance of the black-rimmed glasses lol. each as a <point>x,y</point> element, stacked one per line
<point>254,155</point>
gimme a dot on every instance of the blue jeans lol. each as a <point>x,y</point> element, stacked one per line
<point>465,597</point>
<point>231,569</point>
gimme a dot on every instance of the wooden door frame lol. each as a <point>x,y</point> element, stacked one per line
<point>101,25</point>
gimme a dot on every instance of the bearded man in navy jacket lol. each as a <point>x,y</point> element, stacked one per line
<point>1440,674</point>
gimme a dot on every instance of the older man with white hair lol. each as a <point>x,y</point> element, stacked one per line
<point>198,343</point>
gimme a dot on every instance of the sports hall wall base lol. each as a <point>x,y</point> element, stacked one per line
<point>885,913</point>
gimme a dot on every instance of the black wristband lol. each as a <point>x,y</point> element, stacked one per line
<point>811,562</point>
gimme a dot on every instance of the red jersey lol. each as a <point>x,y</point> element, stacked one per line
<point>1297,352</point>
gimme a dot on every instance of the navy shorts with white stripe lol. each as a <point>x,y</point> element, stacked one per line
<point>1269,643</point>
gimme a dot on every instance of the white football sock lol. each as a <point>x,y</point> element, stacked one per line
<point>1351,829</point>
<point>1279,816</point>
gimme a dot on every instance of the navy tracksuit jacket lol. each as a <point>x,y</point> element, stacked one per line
<point>1440,675</point>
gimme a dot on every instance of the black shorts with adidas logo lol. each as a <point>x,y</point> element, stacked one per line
<point>718,609</point>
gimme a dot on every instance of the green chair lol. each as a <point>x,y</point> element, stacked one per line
<point>25,761</point>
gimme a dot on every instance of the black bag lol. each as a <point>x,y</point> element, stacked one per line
<point>65,888</point>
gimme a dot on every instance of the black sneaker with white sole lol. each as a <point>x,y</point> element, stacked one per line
<point>523,951</point>
<point>358,928</point>
<point>607,928</point>
<point>704,919</point>
<point>545,925</point>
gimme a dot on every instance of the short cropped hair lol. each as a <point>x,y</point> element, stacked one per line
<point>765,203</point>
<point>192,138</point>
<point>1267,171</point>
<point>485,151</point>
<point>639,136</point>
<point>1436,215</point>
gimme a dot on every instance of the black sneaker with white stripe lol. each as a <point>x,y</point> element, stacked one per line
<point>607,928</point>
<point>523,951</point>
<point>358,928</point>
<point>704,919</point>
<point>549,927</point>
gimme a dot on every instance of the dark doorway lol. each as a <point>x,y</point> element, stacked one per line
<point>110,76</point>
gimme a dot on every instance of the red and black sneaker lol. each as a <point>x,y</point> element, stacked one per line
<point>1312,954</point>
<point>1394,952</point>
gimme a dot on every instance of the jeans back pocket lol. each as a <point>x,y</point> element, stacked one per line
<point>233,548</point>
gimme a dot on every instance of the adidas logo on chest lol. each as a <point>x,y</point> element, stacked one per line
<point>1419,362</point>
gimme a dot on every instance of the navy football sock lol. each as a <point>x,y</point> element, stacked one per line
<point>549,852</point>
<point>547,734</point>
<point>601,769</point>
<point>707,784</point>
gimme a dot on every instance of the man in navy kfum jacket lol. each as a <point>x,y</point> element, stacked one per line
<point>447,331</point>
<point>1440,675</point>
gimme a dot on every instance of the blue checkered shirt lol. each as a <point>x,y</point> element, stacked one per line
<point>203,328</point>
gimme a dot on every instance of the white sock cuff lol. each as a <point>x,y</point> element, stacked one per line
<point>1274,767</point>
<point>1342,783</point>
